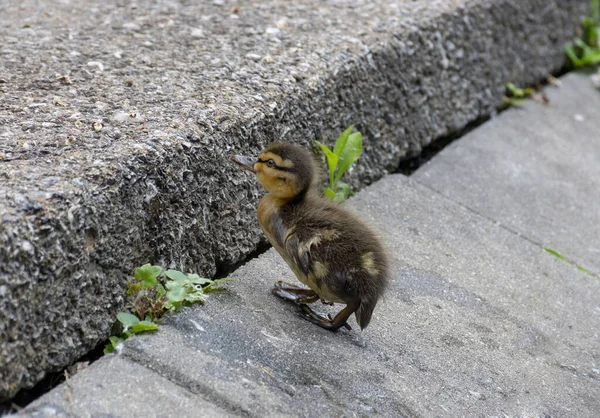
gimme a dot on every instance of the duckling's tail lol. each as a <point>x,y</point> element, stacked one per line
<point>364,313</point>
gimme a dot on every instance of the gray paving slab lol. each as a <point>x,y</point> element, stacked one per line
<point>116,119</point>
<point>535,170</point>
<point>478,322</point>
<point>118,388</point>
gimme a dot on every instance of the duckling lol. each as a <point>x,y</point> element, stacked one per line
<point>328,248</point>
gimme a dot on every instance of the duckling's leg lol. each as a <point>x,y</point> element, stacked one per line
<point>326,321</point>
<point>294,293</point>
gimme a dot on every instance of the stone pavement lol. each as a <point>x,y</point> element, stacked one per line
<point>479,321</point>
<point>116,118</point>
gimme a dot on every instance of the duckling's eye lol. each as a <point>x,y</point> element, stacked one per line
<point>270,163</point>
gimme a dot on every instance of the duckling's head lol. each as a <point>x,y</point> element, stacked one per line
<point>286,170</point>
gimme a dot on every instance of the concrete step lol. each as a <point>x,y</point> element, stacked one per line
<point>116,119</point>
<point>478,322</point>
<point>535,170</point>
<point>117,387</point>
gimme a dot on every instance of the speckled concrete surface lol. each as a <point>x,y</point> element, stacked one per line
<point>116,118</point>
<point>117,387</point>
<point>529,177</point>
<point>478,322</point>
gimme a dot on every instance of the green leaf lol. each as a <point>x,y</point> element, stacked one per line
<point>196,297</point>
<point>127,319</point>
<point>589,55</point>
<point>171,306</point>
<point>160,291</point>
<point>114,341</point>
<point>133,288</point>
<point>512,89</point>
<point>345,188</point>
<point>340,143</point>
<point>329,193</point>
<point>349,154</point>
<point>144,326</point>
<point>177,276</point>
<point>556,254</point>
<point>224,279</point>
<point>332,161</point>
<point>339,197</point>
<point>147,274</point>
<point>511,101</point>
<point>562,257</point>
<point>171,284</point>
<point>176,292</point>
<point>570,51</point>
<point>517,92</point>
<point>590,33</point>
<point>213,288</point>
<point>580,268</point>
<point>112,344</point>
<point>194,278</point>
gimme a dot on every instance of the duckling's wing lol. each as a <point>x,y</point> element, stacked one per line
<point>299,252</point>
<point>310,246</point>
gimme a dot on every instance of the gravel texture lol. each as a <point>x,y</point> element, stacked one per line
<point>116,118</point>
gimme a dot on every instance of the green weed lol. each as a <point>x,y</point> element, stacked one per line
<point>516,96</point>
<point>563,258</point>
<point>149,300</point>
<point>346,151</point>
<point>585,51</point>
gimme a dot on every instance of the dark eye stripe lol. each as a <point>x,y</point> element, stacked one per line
<point>275,166</point>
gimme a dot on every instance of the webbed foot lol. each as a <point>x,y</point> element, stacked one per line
<point>294,293</point>
<point>325,321</point>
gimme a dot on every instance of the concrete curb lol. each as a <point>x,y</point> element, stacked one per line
<point>478,321</point>
<point>113,139</point>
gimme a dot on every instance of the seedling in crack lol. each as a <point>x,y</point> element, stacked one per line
<point>585,51</point>
<point>346,151</point>
<point>149,300</point>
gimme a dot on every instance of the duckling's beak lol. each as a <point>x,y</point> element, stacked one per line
<point>247,163</point>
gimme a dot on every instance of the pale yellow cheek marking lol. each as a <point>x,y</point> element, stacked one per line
<point>367,262</point>
<point>280,183</point>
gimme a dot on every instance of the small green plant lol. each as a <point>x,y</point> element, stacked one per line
<point>516,96</point>
<point>583,52</point>
<point>563,258</point>
<point>150,300</point>
<point>346,151</point>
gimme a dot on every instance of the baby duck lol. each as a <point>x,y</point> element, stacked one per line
<point>329,249</point>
